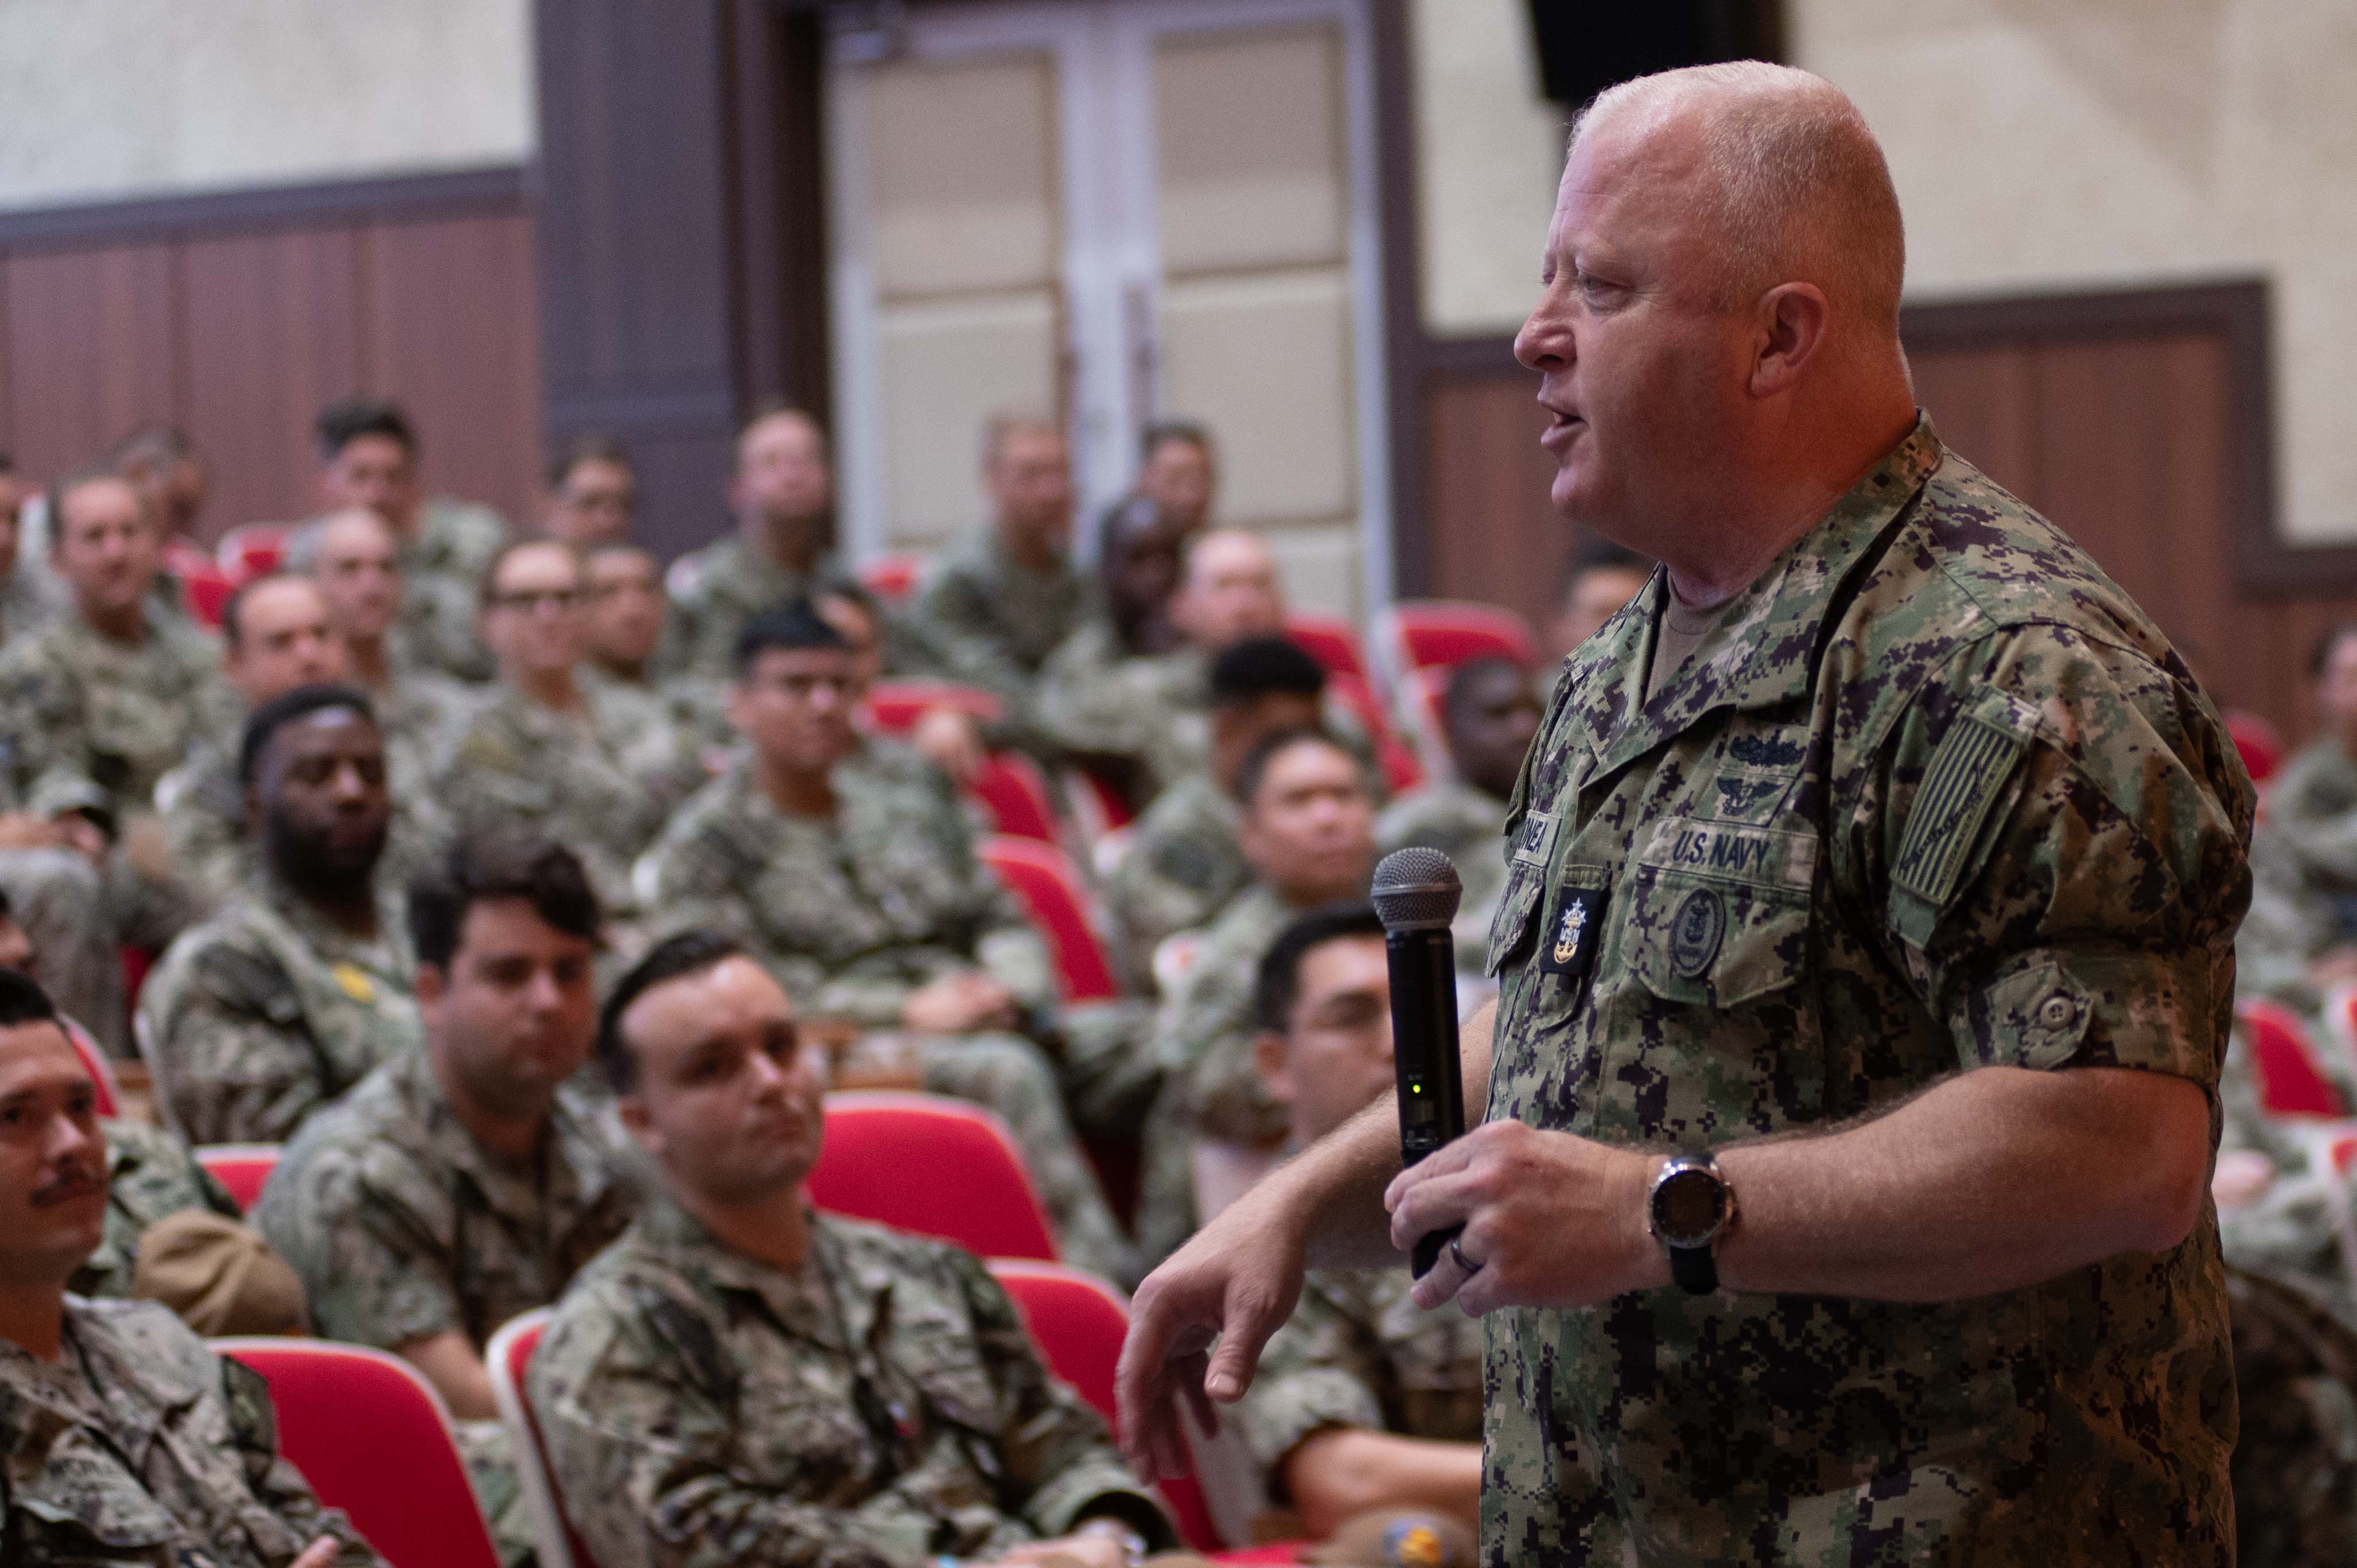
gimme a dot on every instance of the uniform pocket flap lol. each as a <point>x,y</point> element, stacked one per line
<point>1714,941</point>
<point>1509,928</point>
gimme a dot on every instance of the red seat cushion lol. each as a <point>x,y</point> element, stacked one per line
<point>936,1166</point>
<point>1043,878</point>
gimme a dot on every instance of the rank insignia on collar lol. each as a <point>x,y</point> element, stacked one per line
<point>1571,945</point>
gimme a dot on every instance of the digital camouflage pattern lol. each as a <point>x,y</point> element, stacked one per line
<point>424,712</point>
<point>204,807</point>
<point>992,622</point>
<point>1357,1352</point>
<point>2291,1234</point>
<point>1202,1042</point>
<point>715,590</point>
<point>60,899</point>
<point>270,1012</point>
<point>442,567</point>
<point>2304,877</point>
<point>880,1405</point>
<point>1465,824</point>
<point>28,597</point>
<point>668,729</point>
<point>150,1174</point>
<point>1183,866</point>
<point>1097,699</point>
<point>1933,796</point>
<point>403,1228</point>
<point>2295,1460</point>
<point>80,711</point>
<point>567,776</point>
<point>141,1447</point>
<point>853,915</point>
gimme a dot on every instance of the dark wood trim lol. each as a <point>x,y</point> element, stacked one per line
<point>2237,309</point>
<point>502,187</point>
<point>1405,344</point>
<point>1474,357</point>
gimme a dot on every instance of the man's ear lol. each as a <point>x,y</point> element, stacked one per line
<point>1794,321</point>
<point>1268,1060</point>
<point>432,984</point>
<point>632,1111</point>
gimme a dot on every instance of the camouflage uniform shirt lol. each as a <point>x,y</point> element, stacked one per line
<point>1183,866</point>
<point>566,775</point>
<point>269,1012</point>
<point>79,709</point>
<point>141,1447</point>
<point>994,621</point>
<point>715,590</point>
<point>2303,874</point>
<point>150,1176</point>
<point>442,567</point>
<point>881,1405</point>
<point>1357,1352</point>
<point>1932,795</point>
<point>1463,823</point>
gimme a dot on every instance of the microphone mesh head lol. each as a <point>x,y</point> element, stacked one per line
<point>1415,889</point>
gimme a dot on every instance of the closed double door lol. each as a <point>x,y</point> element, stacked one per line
<point>1113,214</point>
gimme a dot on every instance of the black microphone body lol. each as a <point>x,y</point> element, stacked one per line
<point>1416,893</point>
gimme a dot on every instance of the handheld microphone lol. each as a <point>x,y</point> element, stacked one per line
<point>1415,894</point>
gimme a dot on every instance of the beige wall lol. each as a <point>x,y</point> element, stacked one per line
<point>101,100</point>
<point>2037,145</point>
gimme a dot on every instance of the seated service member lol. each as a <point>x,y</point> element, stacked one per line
<point>546,751</point>
<point>122,1438</point>
<point>356,561</point>
<point>1183,864</point>
<point>742,1379</point>
<point>461,1183</point>
<point>668,726</point>
<point>860,888</point>
<point>1363,1400</point>
<point>780,495</point>
<point>276,635</point>
<point>1308,829</point>
<point>301,985</point>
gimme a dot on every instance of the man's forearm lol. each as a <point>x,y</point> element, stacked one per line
<point>1995,1180</point>
<point>1341,1177</point>
<point>1344,1470</point>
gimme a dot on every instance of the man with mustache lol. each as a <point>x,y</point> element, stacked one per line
<point>461,1183</point>
<point>125,1440</point>
<point>741,1378</point>
<point>301,985</point>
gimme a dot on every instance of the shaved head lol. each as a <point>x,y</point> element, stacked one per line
<point>1782,171</point>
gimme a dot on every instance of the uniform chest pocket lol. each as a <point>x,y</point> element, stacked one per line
<point>1714,942</point>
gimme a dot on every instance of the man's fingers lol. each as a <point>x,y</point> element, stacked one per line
<point>320,1554</point>
<point>1441,1283</point>
<point>1434,1204</point>
<point>1447,1160</point>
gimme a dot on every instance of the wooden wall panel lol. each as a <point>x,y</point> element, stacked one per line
<point>238,318</point>
<point>1495,537</point>
<point>451,325</point>
<point>274,334</point>
<point>91,351</point>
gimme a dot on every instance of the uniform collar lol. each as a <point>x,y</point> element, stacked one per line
<point>1763,650</point>
<point>572,1174</point>
<point>796,1300</point>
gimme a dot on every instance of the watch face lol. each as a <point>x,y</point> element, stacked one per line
<point>1688,1207</point>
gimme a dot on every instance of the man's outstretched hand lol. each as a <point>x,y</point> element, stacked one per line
<point>1236,1282</point>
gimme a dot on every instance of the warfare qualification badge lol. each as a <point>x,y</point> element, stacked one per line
<point>1576,925</point>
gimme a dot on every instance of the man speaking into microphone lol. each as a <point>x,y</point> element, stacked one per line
<point>1839,1191</point>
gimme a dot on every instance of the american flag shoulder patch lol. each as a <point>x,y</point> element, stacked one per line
<point>1968,771</point>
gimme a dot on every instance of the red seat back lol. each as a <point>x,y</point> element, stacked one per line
<point>1014,790</point>
<point>2284,1063</point>
<point>1043,878</point>
<point>509,1358</point>
<point>895,707</point>
<point>251,550</point>
<point>1333,643</point>
<point>2261,743</point>
<point>936,1166</point>
<point>371,1436</point>
<point>244,1169</point>
<point>107,1096</point>
<point>208,588</point>
<point>1428,632</point>
<point>1078,1322</point>
<point>893,577</point>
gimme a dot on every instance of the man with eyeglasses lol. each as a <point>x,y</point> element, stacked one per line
<point>858,887</point>
<point>462,1183</point>
<point>546,750</point>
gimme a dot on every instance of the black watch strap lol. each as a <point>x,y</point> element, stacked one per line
<point>1694,1269</point>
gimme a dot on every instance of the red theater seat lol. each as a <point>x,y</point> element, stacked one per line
<point>1043,876</point>
<point>1012,790</point>
<point>2261,743</point>
<point>373,1439</point>
<point>1333,643</point>
<point>895,707</point>
<point>893,577</point>
<point>252,549</point>
<point>2283,1061</point>
<point>242,1168</point>
<point>1422,633</point>
<point>936,1166</point>
<point>509,1358</point>
<point>108,1098</point>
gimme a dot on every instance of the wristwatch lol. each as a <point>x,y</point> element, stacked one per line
<point>1688,1207</point>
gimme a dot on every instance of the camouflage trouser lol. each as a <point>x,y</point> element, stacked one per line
<point>1109,1072</point>
<point>61,900</point>
<point>490,1467</point>
<point>1165,1178</point>
<point>1011,1076</point>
